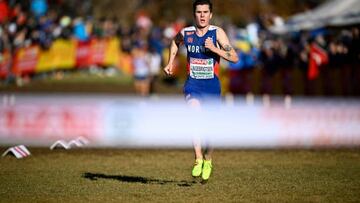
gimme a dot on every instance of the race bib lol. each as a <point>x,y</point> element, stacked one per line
<point>201,68</point>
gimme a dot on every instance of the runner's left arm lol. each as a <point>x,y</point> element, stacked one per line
<point>226,51</point>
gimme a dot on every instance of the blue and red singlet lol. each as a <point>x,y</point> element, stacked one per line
<point>202,65</point>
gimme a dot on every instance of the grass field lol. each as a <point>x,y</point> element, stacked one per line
<point>83,82</point>
<point>163,175</point>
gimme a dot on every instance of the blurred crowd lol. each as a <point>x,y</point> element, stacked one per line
<point>327,59</point>
<point>24,23</point>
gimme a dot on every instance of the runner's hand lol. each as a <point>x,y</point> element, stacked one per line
<point>168,69</point>
<point>209,44</point>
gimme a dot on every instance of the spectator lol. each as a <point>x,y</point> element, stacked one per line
<point>332,69</point>
<point>154,59</point>
<point>45,27</point>
<point>65,27</point>
<point>269,58</point>
<point>39,7</point>
<point>156,41</point>
<point>2,41</point>
<point>287,57</point>
<point>80,32</point>
<point>141,69</point>
<point>4,11</point>
<point>303,58</point>
<point>235,81</point>
<point>354,52</point>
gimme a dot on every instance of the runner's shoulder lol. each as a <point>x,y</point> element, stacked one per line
<point>214,27</point>
<point>188,29</point>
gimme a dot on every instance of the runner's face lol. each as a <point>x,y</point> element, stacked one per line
<point>202,15</point>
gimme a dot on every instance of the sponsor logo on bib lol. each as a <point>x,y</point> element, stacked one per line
<point>201,68</point>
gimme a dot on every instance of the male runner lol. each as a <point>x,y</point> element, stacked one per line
<point>205,44</point>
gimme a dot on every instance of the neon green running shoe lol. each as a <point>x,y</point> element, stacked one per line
<point>206,171</point>
<point>196,171</point>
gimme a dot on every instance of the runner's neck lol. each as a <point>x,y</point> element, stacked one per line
<point>202,31</point>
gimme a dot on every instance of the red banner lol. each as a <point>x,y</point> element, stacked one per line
<point>65,54</point>
<point>83,54</point>
<point>4,64</point>
<point>25,60</point>
<point>98,51</point>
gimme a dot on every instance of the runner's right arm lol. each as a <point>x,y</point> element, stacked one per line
<point>174,47</point>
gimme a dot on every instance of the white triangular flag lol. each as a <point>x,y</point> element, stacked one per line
<point>75,143</point>
<point>60,144</point>
<point>19,151</point>
<point>83,140</point>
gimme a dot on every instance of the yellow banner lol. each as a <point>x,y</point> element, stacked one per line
<point>112,52</point>
<point>64,54</point>
<point>45,61</point>
<point>61,55</point>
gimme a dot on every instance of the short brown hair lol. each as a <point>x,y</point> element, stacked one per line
<point>202,2</point>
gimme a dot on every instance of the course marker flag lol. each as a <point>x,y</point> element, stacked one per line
<point>19,151</point>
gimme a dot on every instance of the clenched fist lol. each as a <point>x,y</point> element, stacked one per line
<point>209,44</point>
